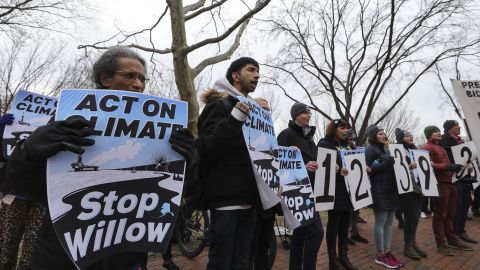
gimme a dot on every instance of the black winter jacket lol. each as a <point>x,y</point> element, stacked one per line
<point>230,178</point>
<point>293,136</point>
<point>382,178</point>
<point>342,198</point>
<point>447,142</point>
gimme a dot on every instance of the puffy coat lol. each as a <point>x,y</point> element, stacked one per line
<point>342,198</point>
<point>440,161</point>
<point>382,178</point>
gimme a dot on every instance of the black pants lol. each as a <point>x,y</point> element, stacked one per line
<point>410,204</point>
<point>425,207</point>
<point>261,243</point>
<point>464,200</point>
<point>476,199</point>
<point>306,241</point>
<point>354,222</point>
<point>167,255</point>
<point>337,226</point>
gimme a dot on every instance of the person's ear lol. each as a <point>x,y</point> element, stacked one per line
<point>236,76</point>
<point>106,81</point>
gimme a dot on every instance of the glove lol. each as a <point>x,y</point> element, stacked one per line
<point>455,167</point>
<point>50,139</point>
<point>388,161</point>
<point>7,119</point>
<point>183,142</point>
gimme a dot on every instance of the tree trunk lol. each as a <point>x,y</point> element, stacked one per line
<point>183,71</point>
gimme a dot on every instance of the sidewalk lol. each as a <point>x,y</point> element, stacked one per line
<point>362,254</point>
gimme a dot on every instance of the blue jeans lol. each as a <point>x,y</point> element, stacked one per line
<point>464,200</point>
<point>383,229</point>
<point>230,238</point>
<point>305,244</point>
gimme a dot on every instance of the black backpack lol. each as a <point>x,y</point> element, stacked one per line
<point>195,188</point>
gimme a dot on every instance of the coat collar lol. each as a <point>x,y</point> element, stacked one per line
<point>299,130</point>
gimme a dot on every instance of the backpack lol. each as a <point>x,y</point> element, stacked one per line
<point>195,188</point>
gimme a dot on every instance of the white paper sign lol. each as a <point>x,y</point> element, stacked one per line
<point>357,178</point>
<point>402,172</point>
<point>324,190</point>
<point>468,94</point>
<point>424,172</point>
<point>465,154</point>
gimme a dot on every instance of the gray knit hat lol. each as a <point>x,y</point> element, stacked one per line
<point>297,109</point>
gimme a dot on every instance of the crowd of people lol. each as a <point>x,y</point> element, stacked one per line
<point>241,230</point>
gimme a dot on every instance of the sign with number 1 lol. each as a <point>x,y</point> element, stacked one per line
<point>324,190</point>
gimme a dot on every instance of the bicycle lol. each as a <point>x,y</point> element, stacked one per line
<point>191,230</point>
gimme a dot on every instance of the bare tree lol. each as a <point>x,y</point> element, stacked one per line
<point>401,117</point>
<point>355,53</point>
<point>181,47</point>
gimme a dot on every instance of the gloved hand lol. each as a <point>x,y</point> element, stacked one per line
<point>388,161</point>
<point>183,142</point>
<point>7,119</point>
<point>455,167</point>
<point>67,135</point>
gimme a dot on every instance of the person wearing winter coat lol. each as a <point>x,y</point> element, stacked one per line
<point>384,192</point>
<point>117,68</point>
<point>231,189</point>
<point>445,204</point>
<point>410,203</point>
<point>306,240</point>
<point>339,216</point>
<point>451,137</point>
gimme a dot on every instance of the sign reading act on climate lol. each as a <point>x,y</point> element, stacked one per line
<point>31,111</point>
<point>123,193</point>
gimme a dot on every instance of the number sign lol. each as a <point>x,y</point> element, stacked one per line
<point>465,154</point>
<point>424,172</point>
<point>402,172</point>
<point>324,190</point>
<point>357,178</point>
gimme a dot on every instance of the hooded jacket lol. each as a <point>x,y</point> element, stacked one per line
<point>440,161</point>
<point>294,136</point>
<point>230,178</point>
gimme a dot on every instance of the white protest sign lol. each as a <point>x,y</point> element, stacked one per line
<point>468,94</point>
<point>357,178</point>
<point>465,154</point>
<point>324,190</point>
<point>402,172</point>
<point>424,172</point>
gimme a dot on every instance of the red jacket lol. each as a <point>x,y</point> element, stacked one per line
<point>440,161</point>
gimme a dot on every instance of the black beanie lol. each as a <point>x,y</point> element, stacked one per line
<point>372,133</point>
<point>449,124</point>
<point>399,134</point>
<point>297,109</point>
<point>429,130</point>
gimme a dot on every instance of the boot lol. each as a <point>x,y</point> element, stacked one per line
<point>343,258</point>
<point>333,263</point>
<point>410,252</point>
<point>420,251</point>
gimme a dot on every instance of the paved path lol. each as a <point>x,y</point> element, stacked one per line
<point>362,254</point>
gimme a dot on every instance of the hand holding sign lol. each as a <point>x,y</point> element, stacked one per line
<point>324,192</point>
<point>464,155</point>
<point>424,173</point>
<point>357,178</point>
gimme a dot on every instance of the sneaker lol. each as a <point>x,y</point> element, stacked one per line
<point>170,265</point>
<point>443,249</point>
<point>459,245</point>
<point>394,259</point>
<point>357,237</point>
<point>423,215</point>
<point>466,238</point>
<point>382,259</point>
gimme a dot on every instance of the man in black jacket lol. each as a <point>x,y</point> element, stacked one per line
<point>306,240</point>
<point>451,137</point>
<point>118,68</point>
<point>231,188</point>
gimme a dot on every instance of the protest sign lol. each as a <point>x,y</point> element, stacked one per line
<point>468,94</point>
<point>424,172</point>
<point>402,172</point>
<point>262,147</point>
<point>324,192</point>
<point>123,193</point>
<point>31,111</point>
<point>466,155</point>
<point>357,181</point>
<point>297,190</point>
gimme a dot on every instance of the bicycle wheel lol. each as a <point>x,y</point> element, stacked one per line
<point>191,231</point>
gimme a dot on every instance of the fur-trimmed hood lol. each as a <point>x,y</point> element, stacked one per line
<point>221,88</point>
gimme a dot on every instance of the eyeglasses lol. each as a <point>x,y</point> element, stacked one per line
<point>132,75</point>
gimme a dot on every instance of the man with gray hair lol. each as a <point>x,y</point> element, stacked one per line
<point>119,68</point>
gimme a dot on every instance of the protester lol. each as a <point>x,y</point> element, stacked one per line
<point>231,188</point>
<point>6,119</point>
<point>118,68</point>
<point>476,203</point>
<point>339,216</point>
<point>444,205</point>
<point>306,240</point>
<point>384,192</point>
<point>354,215</point>
<point>410,202</point>
<point>451,137</point>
